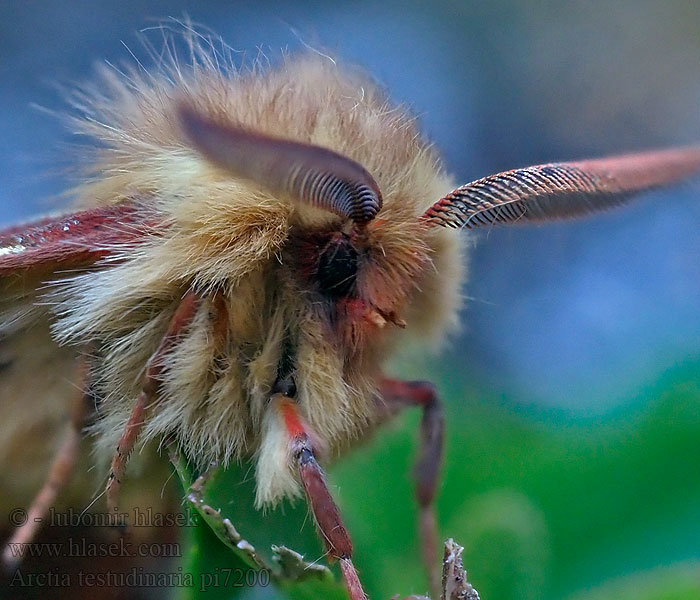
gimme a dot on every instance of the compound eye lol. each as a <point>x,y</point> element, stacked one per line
<point>337,267</point>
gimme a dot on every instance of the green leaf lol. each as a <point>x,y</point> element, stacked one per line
<point>232,538</point>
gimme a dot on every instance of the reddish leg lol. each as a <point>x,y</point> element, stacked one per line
<point>182,318</point>
<point>397,394</point>
<point>323,507</point>
<point>60,471</point>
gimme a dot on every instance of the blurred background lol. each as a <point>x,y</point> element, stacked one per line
<point>573,388</point>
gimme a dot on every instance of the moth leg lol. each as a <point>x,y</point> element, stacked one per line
<point>179,322</point>
<point>323,507</point>
<point>59,473</point>
<point>397,394</point>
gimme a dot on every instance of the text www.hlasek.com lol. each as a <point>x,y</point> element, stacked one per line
<point>82,548</point>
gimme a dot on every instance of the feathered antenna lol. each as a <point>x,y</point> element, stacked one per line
<point>304,172</point>
<point>560,190</point>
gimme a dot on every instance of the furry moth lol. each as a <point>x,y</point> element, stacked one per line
<point>246,252</point>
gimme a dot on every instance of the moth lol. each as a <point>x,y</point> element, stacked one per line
<point>245,253</point>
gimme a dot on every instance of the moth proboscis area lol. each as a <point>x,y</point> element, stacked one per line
<point>249,249</point>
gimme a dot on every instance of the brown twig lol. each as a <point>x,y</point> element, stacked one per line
<point>454,577</point>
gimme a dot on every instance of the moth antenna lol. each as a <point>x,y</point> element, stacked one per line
<point>306,173</point>
<point>561,190</point>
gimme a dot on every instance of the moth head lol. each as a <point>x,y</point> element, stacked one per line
<point>343,260</point>
<point>332,255</point>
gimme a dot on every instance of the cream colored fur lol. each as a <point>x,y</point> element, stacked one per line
<point>232,237</point>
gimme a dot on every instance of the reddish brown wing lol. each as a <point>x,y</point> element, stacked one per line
<point>39,381</point>
<point>69,241</point>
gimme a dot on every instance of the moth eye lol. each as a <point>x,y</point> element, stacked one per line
<point>337,267</point>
